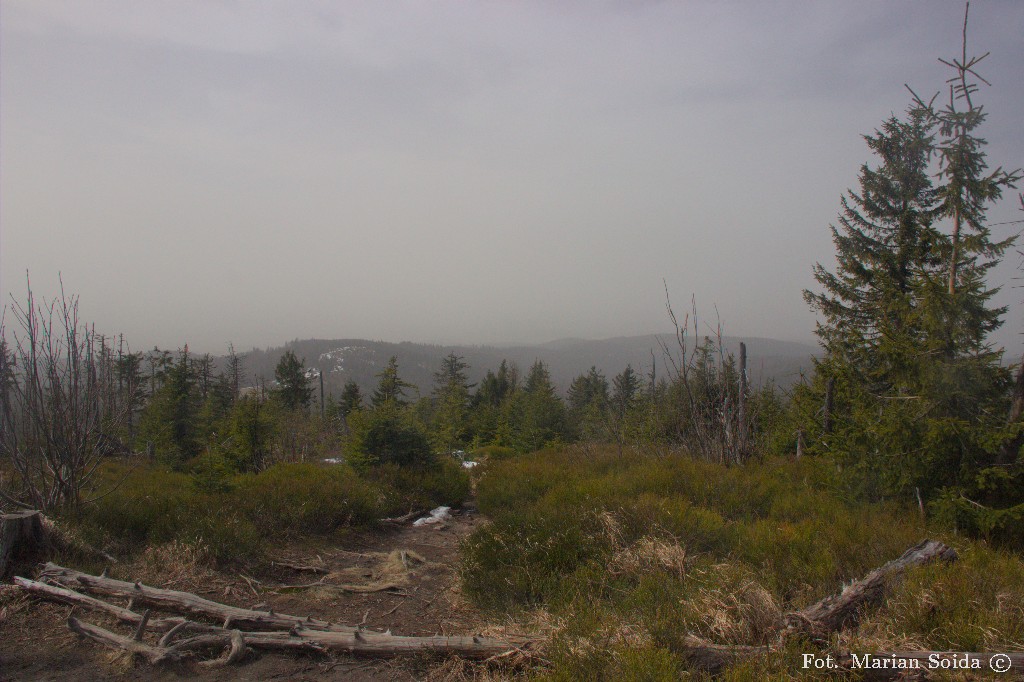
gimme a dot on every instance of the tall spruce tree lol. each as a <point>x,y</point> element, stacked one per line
<point>390,387</point>
<point>919,390</point>
<point>169,422</point>
<point>626,388</point>
<point>293,389</point>
<point>351,398</point>
<point>450,403</point>
<point>885,244</point>
<point>588,405</point>
<point>540,412</point>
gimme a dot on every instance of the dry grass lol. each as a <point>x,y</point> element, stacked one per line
<point>649,554</point>
<point>744,614</point>
<point>174,565</point>
<point>390,571</point>
<point>646,554</point>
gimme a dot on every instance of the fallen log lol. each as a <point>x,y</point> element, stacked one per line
<point>260,630</point>
<point>713,658</point>
<point>838,611</point>
<point>66,596</point>
<point>359,643</point>
<point>826,616</point>
<point>153,654</point>
<point>183,602</point>
<point>162,653</point>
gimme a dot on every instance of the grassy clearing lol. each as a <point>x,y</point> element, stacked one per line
<point>633,552</point>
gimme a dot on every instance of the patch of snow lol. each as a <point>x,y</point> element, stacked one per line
<point>436,516</point>
<point>334,460</point>
<point>469,465</point>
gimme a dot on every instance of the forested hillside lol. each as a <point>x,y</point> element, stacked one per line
<point>360,360</point>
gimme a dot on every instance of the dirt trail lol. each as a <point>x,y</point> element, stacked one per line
<point>410,570</point>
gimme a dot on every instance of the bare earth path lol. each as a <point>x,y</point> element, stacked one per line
<point>412,589</point>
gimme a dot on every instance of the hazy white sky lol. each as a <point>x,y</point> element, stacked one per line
<point>480,172</point>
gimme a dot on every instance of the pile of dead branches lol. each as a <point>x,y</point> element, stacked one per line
<point>191,633</point>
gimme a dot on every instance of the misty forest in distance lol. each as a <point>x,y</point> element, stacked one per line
<point>647,507</point>
<point>361,360</point>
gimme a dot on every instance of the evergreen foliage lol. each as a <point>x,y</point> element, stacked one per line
<point>450,404</point>
<point>169,422</point>
<point>351,399</point>
<point>626,388</point>
<point>390,387</point>
<point>919,395</point>
<point>388,435</point>
<point>293,389</point>
<point>588,405</point>
<point>538,411</point>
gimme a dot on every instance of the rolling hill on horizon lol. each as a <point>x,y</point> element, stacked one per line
<point>769,360</point>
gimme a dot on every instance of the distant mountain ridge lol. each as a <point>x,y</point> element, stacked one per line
<point>361,360</point>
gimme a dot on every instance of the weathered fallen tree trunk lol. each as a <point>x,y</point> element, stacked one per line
<point>826,616</point>
<point>162,653</point>
<point>19,532</point>
<point>66,596</point>
<point>360,642</point>
<point>714,658</point>
<point>183,602</point>
<point>836,612</point>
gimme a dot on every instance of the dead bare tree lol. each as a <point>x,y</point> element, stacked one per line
<point>714,421</point>
<point>63,409</point>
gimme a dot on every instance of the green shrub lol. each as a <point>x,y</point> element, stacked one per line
<point>296,499</point>
<point>226,533</point>
<point>148,505</point>
<point>404,488</point>
<point>232,513</point>
<point>387,436</point>
<point>525,560</point>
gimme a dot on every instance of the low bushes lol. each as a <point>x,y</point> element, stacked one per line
<point>406,488</point>
<point>632,552</point>
<point>230,514</point>
<point>301,499</point>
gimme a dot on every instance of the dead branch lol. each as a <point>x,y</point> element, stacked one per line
<point>836,612</point>
<point>405,518</point>
<point>181,602</point>
<point>66,596</point>
<point>298,568</point>
<point>341,587</point>
<point>154,654</point>
<point>828,615</point>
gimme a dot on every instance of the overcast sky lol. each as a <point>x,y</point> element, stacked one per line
<point>458,172</point>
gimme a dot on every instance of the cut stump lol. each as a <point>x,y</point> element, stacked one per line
<point>20,532</point>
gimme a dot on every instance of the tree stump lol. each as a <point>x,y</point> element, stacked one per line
<point>19,532</point>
